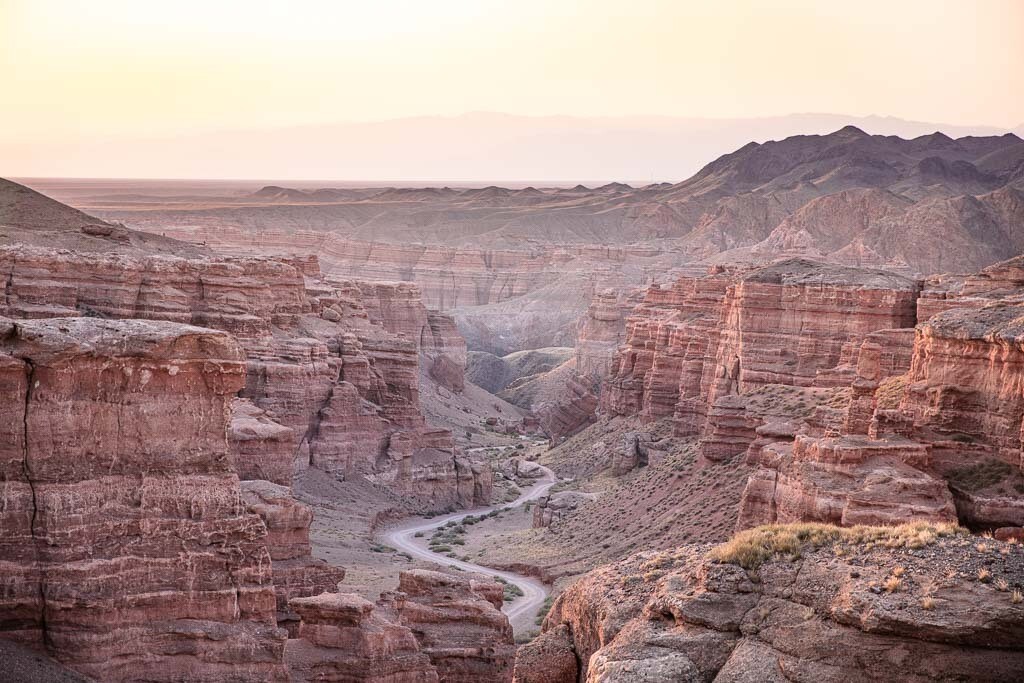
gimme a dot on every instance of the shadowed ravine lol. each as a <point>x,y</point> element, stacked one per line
<point>523,610</point>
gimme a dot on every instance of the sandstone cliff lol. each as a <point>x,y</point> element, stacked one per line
<point>127,551</point>
<point>336,389</point>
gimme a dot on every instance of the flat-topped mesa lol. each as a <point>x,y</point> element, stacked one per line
<point>125,550</point>
<point>327,383</point>
<point>787,322</point>
<point>733,332</point>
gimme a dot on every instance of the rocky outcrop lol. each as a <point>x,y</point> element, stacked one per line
<point>435,627</point>
<point>826,605</point>
<point>458,623</point>
<point>670,338</point>
<point>398,307</point>
<point>127,552</point>
<point>296,573</point>
<point>262,448</point>
<point>571,411</point>
<point>344,637</point>
<point>932,429</point>
<point>548,658</point>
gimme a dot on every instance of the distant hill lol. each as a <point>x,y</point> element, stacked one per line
<point>28,217</point>
<point>928,204</point>
<point>480,147</point>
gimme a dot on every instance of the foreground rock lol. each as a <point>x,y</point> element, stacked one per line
<point>125,551</point>
<point>918,603</point>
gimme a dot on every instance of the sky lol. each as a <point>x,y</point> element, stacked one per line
<point>74,72</point>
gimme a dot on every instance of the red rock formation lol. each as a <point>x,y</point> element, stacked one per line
<point>602,330</point>
<point>822,615</point>
<point>263,449</point>
<point>458,623</point>
<point>435,627</point>
<point>925,411</point>
<point>296,573</point>
<point>126,551</point>
<point>670,337</point>
<point>548,658</point>
<point>343,637</point>
<point>314,357</point>
<point>731,333</point>
<point>571,411</point>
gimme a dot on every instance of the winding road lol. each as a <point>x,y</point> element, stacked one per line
<point>523,610</point>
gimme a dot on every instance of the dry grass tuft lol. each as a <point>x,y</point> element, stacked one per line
<point>984,575</point>
<point>928,603</point>
<point>753,547</point>
<point>892,584</point>
<point>890,391</point>
<point>1017,597</point>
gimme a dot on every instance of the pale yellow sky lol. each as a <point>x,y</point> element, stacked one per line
<point>73,70</point>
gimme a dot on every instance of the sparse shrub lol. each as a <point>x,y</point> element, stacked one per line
<point>928,603</point>
<point>753,547</point>
<point>631,580</point>
<point>892,584</point>
<point>984,575</point>
<point>1017,597</point>
<point>1002,585</point>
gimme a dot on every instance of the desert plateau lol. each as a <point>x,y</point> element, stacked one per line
<point>316,367</point>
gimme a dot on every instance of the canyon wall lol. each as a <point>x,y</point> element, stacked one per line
<point>336,389</point>
<point>731,332</point>
<point>817,376</point>
<point>127,551</point>
<point>602,329</point>
<point>448,276</point>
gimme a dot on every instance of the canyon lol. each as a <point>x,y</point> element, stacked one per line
<point>763,424</point>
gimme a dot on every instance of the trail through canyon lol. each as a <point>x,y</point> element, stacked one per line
<point>523,610</point>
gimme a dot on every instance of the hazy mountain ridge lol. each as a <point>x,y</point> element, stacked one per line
<point>485,147</point>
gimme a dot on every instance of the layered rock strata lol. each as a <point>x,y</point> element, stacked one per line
<point>932,429</point>
<point>435,627</point>
<point>127,552</point>
<point>729,333</point>
<point>334,387</point>
<point>296,574</point>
